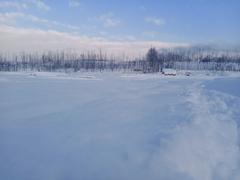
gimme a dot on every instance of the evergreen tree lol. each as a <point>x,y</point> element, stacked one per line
<point>152,58</point>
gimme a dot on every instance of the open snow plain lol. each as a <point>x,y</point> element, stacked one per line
<point>113,126</point>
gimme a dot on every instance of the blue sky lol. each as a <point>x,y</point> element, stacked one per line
<point>170,21</point>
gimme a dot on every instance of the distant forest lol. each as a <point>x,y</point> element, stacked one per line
<point>191,58</point>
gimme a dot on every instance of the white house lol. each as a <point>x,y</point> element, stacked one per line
<point>169,72</point>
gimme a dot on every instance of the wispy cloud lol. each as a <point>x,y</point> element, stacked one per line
<point>13,4</point>
<point>109,20</point>
<point>12,17</point>
<point>14,39</point>
<point>156,21</point>
<point>25,4</point>
<point>40,4</point>
<point>74,3</point>
<point>150,34</point>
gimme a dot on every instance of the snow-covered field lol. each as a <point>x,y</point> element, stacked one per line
<point>113,126</point>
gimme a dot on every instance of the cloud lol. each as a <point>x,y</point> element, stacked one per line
<point>108,20</point>
<point>11,18</point>
<point>40,4</point>
<point>25,4</point>
<point>155,21</point>
<point>150,34</point>
<point>74,3</point>
<point>13,4</point>
<point>14,39</point>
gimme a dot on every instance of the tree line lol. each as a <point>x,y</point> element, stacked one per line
<point>191,58</point>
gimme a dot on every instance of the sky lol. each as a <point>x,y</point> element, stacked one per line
<point>127,27</point>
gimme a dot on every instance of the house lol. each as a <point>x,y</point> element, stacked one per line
<point>169,72</point>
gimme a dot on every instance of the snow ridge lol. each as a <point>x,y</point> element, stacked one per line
<point>208,146</point>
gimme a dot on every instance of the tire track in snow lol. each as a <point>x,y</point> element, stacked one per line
<point>206,148</point>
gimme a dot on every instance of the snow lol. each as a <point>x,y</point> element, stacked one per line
<point>119,126</point>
